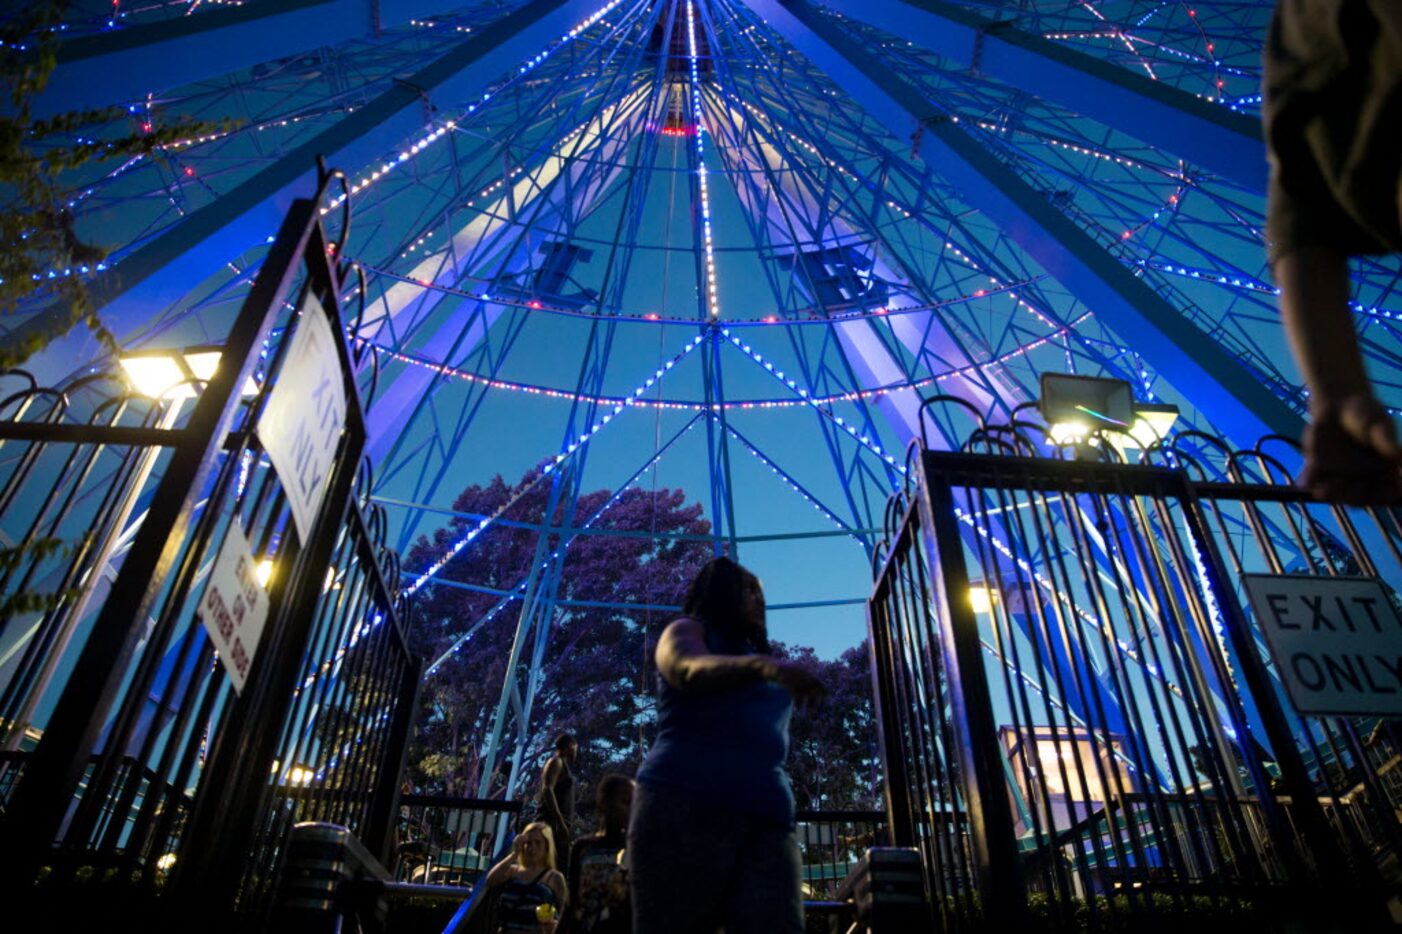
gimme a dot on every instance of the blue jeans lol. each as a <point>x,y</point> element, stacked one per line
<point>696,868</point>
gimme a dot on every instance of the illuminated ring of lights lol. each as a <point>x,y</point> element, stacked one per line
<point>734,404</point>
<point>810,317</point>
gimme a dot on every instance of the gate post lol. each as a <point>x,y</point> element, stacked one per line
<point>223,819</point>
<point>50,779</point>
<point>1333,870</point>
<point>991,834</point>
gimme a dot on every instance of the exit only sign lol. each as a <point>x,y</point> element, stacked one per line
<point>1337,642</point>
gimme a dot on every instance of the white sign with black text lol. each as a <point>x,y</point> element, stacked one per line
<point>1337,642</point>
<point>306,412</point>
<point>234,606</point>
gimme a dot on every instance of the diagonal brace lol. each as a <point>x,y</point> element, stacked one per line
<point>1231,395</point>
<point>1224,142</point>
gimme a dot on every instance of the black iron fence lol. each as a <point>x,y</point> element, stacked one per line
<point>200,642</point>
<point>444,840</point>
<point>830,845</point>
<point>1081,724</point>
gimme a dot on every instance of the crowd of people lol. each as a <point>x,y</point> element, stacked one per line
<point>704,838</point>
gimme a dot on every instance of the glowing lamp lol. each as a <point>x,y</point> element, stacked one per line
<point>980,598</point>
<point>1071,431</point>
<point>157,375</point>
<point>1151,423</point>
<point>173,374</point>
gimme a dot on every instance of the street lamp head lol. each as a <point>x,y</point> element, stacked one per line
<point>159,374</point>
<point>175,374</point>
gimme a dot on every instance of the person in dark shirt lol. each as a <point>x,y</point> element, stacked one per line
<point>711,843</point>
<point>1333,125</point>
<point>597,876</point>
<point>557,794</point>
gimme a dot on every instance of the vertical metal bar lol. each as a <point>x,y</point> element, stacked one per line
<point>884,707</point>
<point>384,800</point>
<point>1309,817</point>
<point>1040,812</point>
<point>985,791</point>
<point>41,799</point>
<point>939,806</point>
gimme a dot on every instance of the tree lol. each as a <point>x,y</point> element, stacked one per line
<point>45,258</point>
<point>833,757</point>
<point>599,680</point>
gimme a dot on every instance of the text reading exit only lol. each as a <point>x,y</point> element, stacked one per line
<point>1337,642</point>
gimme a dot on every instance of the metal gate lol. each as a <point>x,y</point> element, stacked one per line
<point>1080,723</point>
<point>130,751</point>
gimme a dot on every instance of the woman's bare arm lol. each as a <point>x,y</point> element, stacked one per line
<point>683,659</point>
<point>686,663</point>
<point>556,880</point>
<point>501,872</point>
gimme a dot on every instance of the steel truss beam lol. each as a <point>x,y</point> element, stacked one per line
<point>1208,135</point>
<point>127,64</point>
<point>1239,405</point>
<point>163,271</point>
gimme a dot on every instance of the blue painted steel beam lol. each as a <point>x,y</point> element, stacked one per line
<point>160,273</point>
<point>1209,135</point>
<point>1231,395</point>
<point>129,62</point>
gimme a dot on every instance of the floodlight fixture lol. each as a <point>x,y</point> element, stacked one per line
<point>1152,423</point>
<point>157,374</point>
<point>1075,406</point>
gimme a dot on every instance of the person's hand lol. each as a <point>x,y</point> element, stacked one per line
<point>798,681</point>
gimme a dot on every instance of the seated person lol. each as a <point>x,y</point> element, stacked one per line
<point>526,881</point>
<point>597,875</point>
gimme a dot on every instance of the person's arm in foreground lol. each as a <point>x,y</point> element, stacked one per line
<point>686,663</point>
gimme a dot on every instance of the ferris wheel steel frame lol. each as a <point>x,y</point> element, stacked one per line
<point>940,191</point>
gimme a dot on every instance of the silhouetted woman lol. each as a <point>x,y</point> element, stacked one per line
<point>711,843</point>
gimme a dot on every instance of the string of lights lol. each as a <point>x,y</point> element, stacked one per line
<point>793,484</point>
<point>433,136</point>
<point>734,404</point>
<point>864,440</point>
<point>519,590</point>
<point>998,287</point>
<point>709,285</point>
<point>800,317</point>
<point>583,439</point>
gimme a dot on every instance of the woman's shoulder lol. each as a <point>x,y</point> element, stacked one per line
<point>687,623</point>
